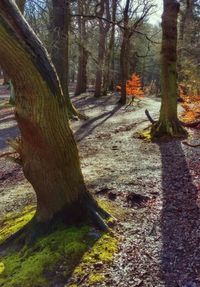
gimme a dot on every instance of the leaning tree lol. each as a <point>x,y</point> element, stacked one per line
<point>168,124</point>
<point>47,150</point>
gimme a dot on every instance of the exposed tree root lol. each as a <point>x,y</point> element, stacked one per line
<point>187,125</point>
<point>90,212</point>
<point>97,214</point>
<point>168,129</point>
<point>73,113</point>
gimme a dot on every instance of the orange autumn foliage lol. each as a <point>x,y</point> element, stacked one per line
<point>133,87</point>
<point>191,106</point>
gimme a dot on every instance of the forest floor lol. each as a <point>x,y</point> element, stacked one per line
<point>157,184</point>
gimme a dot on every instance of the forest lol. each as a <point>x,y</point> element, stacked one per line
<point>100,143</point>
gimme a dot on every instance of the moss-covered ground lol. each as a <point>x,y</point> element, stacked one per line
<point>68,251</point>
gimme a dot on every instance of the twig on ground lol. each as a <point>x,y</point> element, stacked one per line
<point>191,145</point>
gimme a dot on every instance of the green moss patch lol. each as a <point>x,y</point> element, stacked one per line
<point>93,264</point>
<point>144,134</point>
<point>54,258</point>
<point>13,222</point>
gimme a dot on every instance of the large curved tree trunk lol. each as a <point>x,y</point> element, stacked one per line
<point>168,124</point>
<point>47,150</point>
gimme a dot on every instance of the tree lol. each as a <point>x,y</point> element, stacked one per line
<point>47,149</point>
<point>134,87</point>
<point>168,124</point>
<point>81,85</point>
<point>104,27</point>
<point>108,78</point>
<point>128,29</point>
<point>21,6</point>
<point>188,46</point>
<point>60,27</point>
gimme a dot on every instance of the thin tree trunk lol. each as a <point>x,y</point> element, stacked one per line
<point>168,124</point>
<point>124,63</point>
<point>124,54</point>
<point>47,149</point>
<point>99,73</point>
<point>81,85</point>
<point>103,31</point>
<point>108,83</point>
<point>60,26</point>
<point>185,33</point>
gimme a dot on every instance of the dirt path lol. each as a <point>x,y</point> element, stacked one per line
<point>161,235</point>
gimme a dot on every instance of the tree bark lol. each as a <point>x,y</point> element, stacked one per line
<point>47,149</point>
<point>103,31</point>
<point>168,124</point>
<point>124,53</point>
<point>60,30</point>
<point>124,63</point>
<point>21,5</point>
<point>108,83</point>
<point>81,85</point>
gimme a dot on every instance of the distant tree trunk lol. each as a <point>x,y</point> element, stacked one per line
<point>185,33</point>
<point>168,124</point>
<point>99,73</point>
<point>109,61</point>
<point>81,85</point>
<point>124,54</point>
<point>103,30</point>
<point>47,149</point>
<point>124,63</point>
<point>60,27</point>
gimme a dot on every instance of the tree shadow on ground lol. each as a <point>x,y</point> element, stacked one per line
<point>91,124</point>
<point>88,102</point>
<point>180,225</point>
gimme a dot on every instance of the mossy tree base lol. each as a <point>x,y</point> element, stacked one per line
<point>66,251</point>
<point>90,213</point>
<point>168,129</point>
